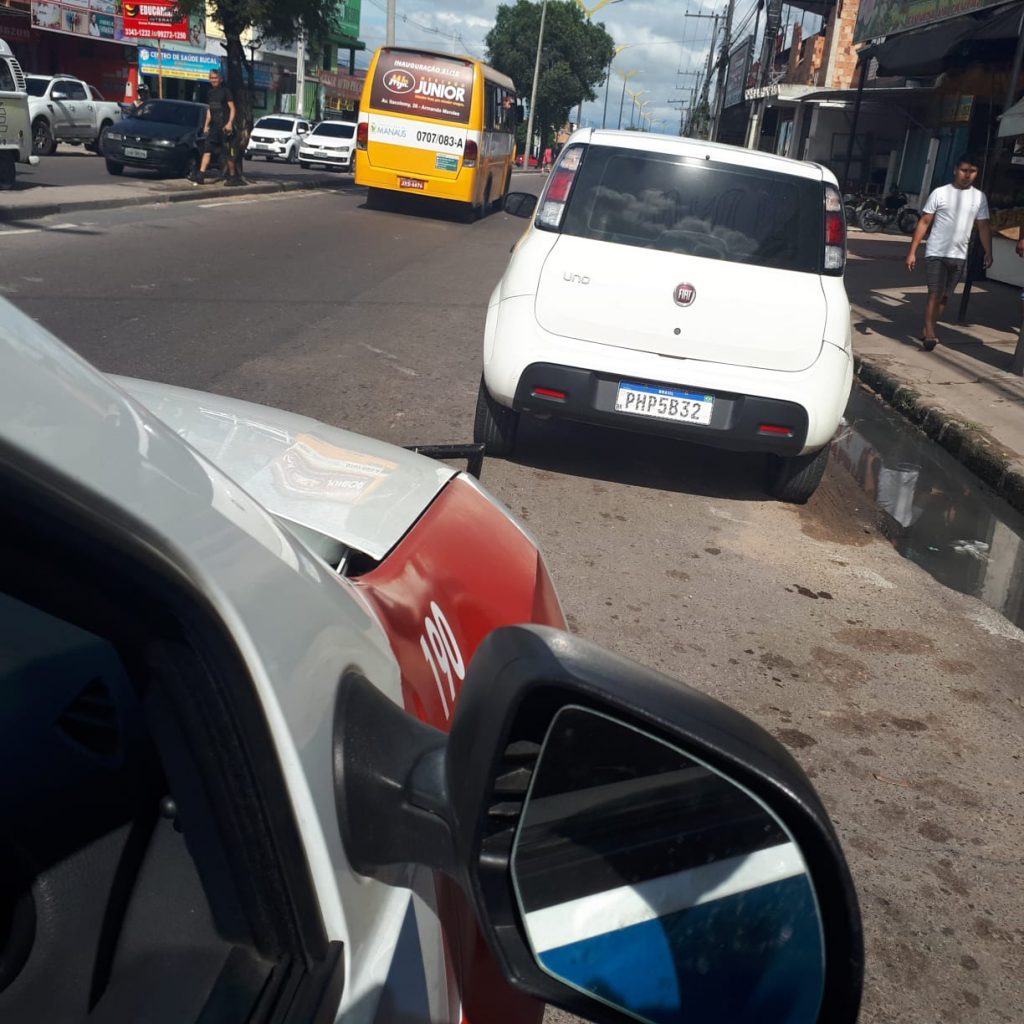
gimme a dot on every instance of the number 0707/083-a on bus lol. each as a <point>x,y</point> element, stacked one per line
<point>435,125</point>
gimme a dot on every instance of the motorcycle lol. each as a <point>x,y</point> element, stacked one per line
<point>875,215</point>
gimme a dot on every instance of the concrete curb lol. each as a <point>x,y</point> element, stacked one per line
<point>38,210</point>
<point>986,458</point>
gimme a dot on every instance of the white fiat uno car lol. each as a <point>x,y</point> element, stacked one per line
<point>677,287</point>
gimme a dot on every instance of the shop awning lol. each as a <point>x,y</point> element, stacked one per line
<point>937,48</point>
<point>1012,122</point>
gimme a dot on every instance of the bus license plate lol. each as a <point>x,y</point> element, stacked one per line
<point>664,403</point>
<point>138,154</point>
<point>412,183</point>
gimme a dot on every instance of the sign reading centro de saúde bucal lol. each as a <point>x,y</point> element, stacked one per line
<point>177,63</point>
<point>155,19</point>
<point>877,18</point>
<point>422,86</point>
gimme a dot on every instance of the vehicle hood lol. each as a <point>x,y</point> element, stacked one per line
<point>327,142</point>
<point>153,129</point>
<point>366,494</point>
<point>277,134</point>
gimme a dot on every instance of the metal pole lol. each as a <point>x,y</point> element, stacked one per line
<point>389,31</point>
<point>860,70</point>
<point>723,63</point>
<point>533,91</point>
<point>707,74</point>
<point>607,82</point>
<point>622,101</point>
<point>300,71</point>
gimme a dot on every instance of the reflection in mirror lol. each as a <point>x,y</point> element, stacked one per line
<point>648,880</point>
<point>520,204</point>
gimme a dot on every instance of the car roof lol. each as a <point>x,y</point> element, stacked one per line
<point>701,149</point>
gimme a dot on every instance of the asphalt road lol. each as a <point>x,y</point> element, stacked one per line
<point>903,700</point>
<point>75,165</point>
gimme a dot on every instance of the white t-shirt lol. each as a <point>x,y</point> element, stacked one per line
<point>956,210</point>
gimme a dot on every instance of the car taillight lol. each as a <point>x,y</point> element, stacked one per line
<point>835,232</point>
<point>362,134</point>
<point>470,154</point>
<point>556,195</point>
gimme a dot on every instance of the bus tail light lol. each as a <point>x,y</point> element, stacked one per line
<point>362,134</point>
<point>834,260</point>
<point>556,195</point>
<point>470,155</point>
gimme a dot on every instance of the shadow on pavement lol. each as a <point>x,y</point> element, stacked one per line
<point>619,456</point>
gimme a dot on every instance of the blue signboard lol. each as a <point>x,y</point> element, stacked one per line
<point>178,63</point>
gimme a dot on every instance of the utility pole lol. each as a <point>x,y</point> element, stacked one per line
<point>707,73</point>
<point>389,31</point>
<point>772,20</point>
<point>723,66</point>
<point>533,91</point>
<point>300,71</point>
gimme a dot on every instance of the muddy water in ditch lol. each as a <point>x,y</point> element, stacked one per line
<point>933,511</point>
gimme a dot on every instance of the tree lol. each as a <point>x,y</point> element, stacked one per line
<point>277,19</point>
<point>574,58</point>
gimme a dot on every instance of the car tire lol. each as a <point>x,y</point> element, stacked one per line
<point>304,164</point>
<point>113,167</point>
<point>43,142</point>
<point>794,478</point>
<point>97,146</point>
<point>495,425</point>
<point>293,156</point>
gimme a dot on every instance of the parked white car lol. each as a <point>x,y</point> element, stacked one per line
<point>66,109</point>
<point>277,136</point>
<point>677,287</point>
<point>329,144</point>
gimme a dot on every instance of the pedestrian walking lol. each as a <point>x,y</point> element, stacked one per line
<point>951,212</point>
<point>219,129</point>
<point>141,96</point>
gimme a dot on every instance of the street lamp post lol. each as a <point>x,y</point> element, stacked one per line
<point>608,78</point>
<point>588,13</point>
<point>533,91</point>
<point>626,76</point>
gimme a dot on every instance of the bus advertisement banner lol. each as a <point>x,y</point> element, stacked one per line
<point>425,86</point>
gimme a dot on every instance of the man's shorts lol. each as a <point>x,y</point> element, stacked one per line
<point>942,274</point>
<point>220,145</point>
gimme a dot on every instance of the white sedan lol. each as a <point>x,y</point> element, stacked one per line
<point>330,143</point>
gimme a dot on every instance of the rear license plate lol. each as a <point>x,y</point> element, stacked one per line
<point>412,183</point>
<point>138,154</point>
<point>664,403</point>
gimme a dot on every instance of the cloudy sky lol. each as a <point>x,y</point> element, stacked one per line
<point>665,51</point>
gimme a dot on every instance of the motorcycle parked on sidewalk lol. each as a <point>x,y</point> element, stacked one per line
<point>875,214</point>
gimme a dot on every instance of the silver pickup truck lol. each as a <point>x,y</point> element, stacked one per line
<point>15,137</point>
<point>66,109</point>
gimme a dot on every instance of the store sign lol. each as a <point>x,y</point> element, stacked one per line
<point>736,76</point>
<point>14,29</point>
<point>156,19</point>
<point>344,19</point>
<point>92,18</point>
<point>336,84</point>
<point>876,18</point>
<point>178,63</point>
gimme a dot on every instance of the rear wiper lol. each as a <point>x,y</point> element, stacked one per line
<point>472,453</point>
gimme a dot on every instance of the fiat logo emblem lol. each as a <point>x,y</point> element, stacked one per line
<point>685,294</point>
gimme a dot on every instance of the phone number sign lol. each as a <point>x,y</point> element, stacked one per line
<point>156,19</point>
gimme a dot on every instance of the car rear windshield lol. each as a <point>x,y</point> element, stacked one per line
<point>698,208</point>
<point>335,131</point>
<point>275,124</point>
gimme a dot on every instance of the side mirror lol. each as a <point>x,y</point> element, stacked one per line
<point>58,94</point>
<point>634,850</point>
<point>520,204</point>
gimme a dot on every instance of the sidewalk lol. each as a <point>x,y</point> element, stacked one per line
<point>26,204</point>
<point>961,394</point>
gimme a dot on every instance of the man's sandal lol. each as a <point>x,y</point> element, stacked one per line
<point>929,343</point>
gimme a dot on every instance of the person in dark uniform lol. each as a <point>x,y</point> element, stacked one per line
<point>221,136</point>
<point>141,95</point>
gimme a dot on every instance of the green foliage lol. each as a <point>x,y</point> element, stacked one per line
<point>574,59</point>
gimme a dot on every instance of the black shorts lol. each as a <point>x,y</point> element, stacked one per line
<point>221,145</point>
<point>942,274</point>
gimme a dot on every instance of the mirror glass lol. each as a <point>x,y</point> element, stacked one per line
<point>651,882</point>
<point>520,204</point>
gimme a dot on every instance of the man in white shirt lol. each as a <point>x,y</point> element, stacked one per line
<point>951,212</point>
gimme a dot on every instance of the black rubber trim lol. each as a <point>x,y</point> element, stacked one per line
<point>590,398</point>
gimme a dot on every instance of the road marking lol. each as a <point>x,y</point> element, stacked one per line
<point>246,200</point>
<point>21,231</point>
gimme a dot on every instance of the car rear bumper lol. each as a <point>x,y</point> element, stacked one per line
<point>519,359</point>
<point>328,159</point>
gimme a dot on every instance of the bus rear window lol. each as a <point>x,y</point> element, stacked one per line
<point>422,85</point>
<point>697,207</point>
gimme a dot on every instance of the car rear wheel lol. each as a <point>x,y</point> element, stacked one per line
<point>293,155</point>
<point>115,168</point>
<point>794,478</point>
<point>43,142</point>
<point>495,425</point>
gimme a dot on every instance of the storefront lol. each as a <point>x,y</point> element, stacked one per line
<point>340,95</point>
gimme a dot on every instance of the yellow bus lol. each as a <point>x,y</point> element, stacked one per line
<point>431,124</point>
